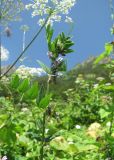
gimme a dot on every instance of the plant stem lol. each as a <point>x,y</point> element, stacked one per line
<point>21,54</point>
<point>43,137</point>
<point>24,40</point>
<point>112,118</point>
<point>0,59</point>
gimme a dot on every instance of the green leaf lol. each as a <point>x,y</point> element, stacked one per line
<point>7,134</point>
<point>107,52</point>
<point>63,66</point>
<point>103,113</point>
<point>53,47</point>
<point>15,81</point>
<point>68,51</point>
<point>111,108</point>
<point>24,85</point>
<point>32,93</point>
<point>49,34</point>
<point>23,141</point>
<point>109,88</point>
<point>45,101</point>
<point>68,45</point>
<point>72,149</point>
<point>59,143</point>
<point>41,94</point>
<point>45,68</point>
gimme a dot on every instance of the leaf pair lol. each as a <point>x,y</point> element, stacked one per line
<point>24,87</point>
<point>30,91</point>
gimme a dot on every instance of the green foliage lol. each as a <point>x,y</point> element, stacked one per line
<point>77,125</point>
<point>60,45</point>
<point>106,53</point>
<point>45,101</point>
<point>32,92</point>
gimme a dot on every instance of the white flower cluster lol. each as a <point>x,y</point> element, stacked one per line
<point>4,158</point>
<point>59,8</point>
<point>4,53</point>
<point>27,72</point>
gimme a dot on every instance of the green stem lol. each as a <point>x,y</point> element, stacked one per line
<point>43,137</point>
<point>43,128</point>
<point>111,125</point>
<point>0,60</point>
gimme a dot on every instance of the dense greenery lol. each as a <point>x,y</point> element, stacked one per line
<point>77,126</point>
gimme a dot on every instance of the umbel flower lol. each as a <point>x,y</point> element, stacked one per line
<point>59,8</point>
<point>4,53</point>
<point>26,72</point>
<point>9,11</point>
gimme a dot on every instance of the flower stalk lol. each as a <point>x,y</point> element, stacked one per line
<point>43,136</point>
<point>22,53</point>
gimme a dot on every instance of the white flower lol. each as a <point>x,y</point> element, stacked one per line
<point>4,53</point>
<point>59,74</point>
<point>70,142</point>
<point>4,158</point>
<point>46,131</point>
<point>95,85</point>
<point>24,109</point>
<point>108,84</point>
<point>59,7</point>
<point>100,78</point>
<point>24,28</point>
<point>78,127</point>
<point>77,81</point>
<point>26,72</point>
<point>41,21</point>
<point>108,124</point>
<point>68,20</point>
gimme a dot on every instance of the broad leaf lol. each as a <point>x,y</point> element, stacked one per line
<point>32,93</point>
<point>24,85</point>
<point>15,81</point>
<point>45,101</point>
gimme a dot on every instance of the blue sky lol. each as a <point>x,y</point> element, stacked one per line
<point>90,32</point>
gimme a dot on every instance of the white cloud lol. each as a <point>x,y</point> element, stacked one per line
<point>4,53</point>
